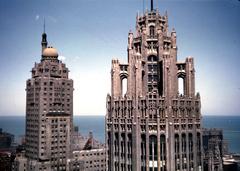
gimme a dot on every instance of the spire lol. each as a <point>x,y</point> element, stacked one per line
<point>44,25</point>
<point>143,6</point>
<point>44,37</point>
<point>151,5</point>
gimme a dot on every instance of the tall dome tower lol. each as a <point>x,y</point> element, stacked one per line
<point>153,126</point>
<point>49,112</point>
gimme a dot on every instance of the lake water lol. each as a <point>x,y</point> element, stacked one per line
<point>229,124</point>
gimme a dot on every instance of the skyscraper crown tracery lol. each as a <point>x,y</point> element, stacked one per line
<point>153,126</point>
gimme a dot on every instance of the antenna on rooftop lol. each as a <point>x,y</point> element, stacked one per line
<point>151,5</point>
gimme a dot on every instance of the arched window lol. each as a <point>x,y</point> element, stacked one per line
<point>180,85</point>
<point>151,31</point>
<point>124,86</point>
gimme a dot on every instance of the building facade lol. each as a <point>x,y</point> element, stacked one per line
<point>213,148</point>
<point>49,112</point>
<point>20,162</point>
<point>152,126</point>
<point>88,160</point>
<point>88,154</point>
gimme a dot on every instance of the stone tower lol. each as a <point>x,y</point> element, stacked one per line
<point>49,112</point>
<point>152,126</point>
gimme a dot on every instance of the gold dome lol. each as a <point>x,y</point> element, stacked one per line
<point>50,52</point>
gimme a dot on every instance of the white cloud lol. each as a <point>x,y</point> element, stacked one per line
<point>37,17</point>
<point>62,58</point>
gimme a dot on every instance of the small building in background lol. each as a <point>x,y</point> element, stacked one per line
<point>20,162</point>
<point>6,160</point>
<point>231,162</point>
<point>7,150</point>
<point>213,149</point>
<point>89,160</point>
<point>90,156</point>
<point>6,140</point>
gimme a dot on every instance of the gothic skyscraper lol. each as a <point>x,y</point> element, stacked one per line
<point>49,112</point>
<point>153,126</point>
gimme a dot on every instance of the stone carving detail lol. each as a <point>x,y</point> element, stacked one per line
<point>156,117</point>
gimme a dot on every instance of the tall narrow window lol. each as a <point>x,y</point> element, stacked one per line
<point>190,147</point>
<point>160,84</point>
<point>153,165</point>
<point>116,146</point>
<point>109,149</point>
<point>163,153</point>
<point>143,79</point>
<point>129,150</point>
<point>122,146</point>
<point>124,86</point>
<point>199,149</point>
<point>143,152</point>
<point>184,151</point>
<point>177,156</point>
<point>152,73</point>
<point>181,86</point>
<point>151,31</point>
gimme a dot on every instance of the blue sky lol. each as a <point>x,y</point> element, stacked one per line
<point>89,33</point>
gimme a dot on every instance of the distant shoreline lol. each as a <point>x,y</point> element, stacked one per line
<point>94,115</point>
<point>95,123</point>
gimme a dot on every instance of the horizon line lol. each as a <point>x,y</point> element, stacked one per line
<point>91,114</point>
